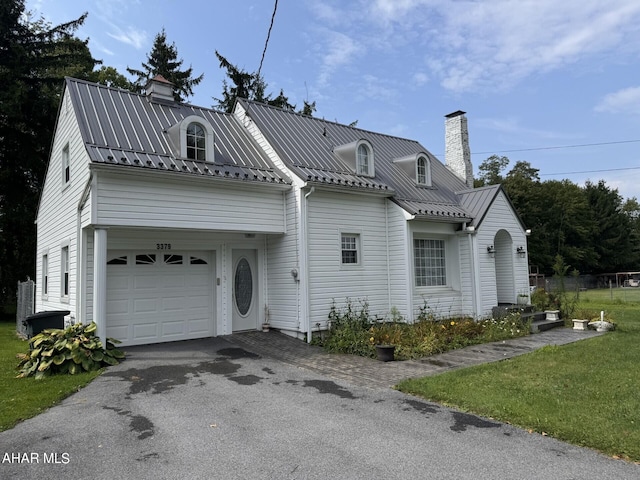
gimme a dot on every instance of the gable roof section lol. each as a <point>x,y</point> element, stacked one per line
<point>478,201</point>
<point>125,129</point>
<point>305,144</point>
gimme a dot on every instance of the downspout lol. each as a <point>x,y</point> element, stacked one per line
<point>386,230</point>
<point>80,268</point>
<point>305,263</point>
<point>475,273</point>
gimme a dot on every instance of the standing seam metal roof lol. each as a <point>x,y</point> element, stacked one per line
<point>126,129</point>
<point>306,145</point>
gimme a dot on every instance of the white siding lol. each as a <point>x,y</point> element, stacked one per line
<point>124,199</point>
<point>466,275</point>
<point>57,221</point>
<point>329,215</point>
<point>399,273</point>
<point>500,217</point>
<point>282,258</point>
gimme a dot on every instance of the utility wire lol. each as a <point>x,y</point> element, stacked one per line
<point>557,147</point>
<point>591,171</point>
<point>264,52</point>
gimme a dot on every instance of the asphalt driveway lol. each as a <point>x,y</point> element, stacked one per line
<point>210,409</point>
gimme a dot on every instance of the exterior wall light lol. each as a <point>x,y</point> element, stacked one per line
<point>491,251</point>
<point>521,251</point>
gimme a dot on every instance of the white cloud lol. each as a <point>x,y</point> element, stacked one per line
<point>132,36</point>
<point>626,100</point>
<point>420,79</point>
<point>484,45</point>
<point>339,50</point>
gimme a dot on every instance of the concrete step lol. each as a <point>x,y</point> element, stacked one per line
<point>542,325</point>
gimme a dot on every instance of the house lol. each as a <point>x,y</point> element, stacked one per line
<point>163,221</point>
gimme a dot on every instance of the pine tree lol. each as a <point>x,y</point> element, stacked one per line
<point>34,58</point>
<point>163,60</point>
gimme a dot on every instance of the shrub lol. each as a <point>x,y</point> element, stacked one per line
<point>72,350</point>
<point>353,331</point>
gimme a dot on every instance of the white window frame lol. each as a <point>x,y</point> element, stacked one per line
<point>66,166</point>
<point>45,275</point>
<point>178,133</point>
<point>364,164</point>
<point>435,274</point>
<point>357,248</point>
<point>65,277</point>
<point>426,175</point>
<point>198,134</point>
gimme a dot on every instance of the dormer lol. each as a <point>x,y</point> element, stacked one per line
<point>192,139</point>
<point>358,156</point>
<point>417,166</point>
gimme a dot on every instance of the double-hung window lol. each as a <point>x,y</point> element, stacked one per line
<point>429,262</point>
<point>64,270</point>
<point>196,142</point>
<point>349,243</point>
<point>66,166</point>
<point>45,275</point>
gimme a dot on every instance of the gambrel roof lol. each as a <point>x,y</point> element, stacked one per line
<point>306,145</point>
<point>125,129</point>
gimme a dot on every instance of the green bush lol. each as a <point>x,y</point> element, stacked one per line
<point>72,350</point>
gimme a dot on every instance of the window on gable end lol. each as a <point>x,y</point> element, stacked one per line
<point>423,171</point>
<point>45,275</point>
<point>66,165</point>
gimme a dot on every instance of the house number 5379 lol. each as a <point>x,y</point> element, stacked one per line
<point>163,246</point>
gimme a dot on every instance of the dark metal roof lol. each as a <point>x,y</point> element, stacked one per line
<point>126,129</point>
<point>306,146</point>
<point>477,202</point>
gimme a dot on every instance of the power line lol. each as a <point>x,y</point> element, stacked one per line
<point>590,171</point>
<point>264,52</point>
<point>557,147</point>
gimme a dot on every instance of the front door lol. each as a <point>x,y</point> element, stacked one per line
<point>245,290</point>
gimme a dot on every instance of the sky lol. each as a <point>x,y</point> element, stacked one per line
<point>555,84</point>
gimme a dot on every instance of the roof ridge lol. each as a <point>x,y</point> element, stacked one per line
<point>331,122</point>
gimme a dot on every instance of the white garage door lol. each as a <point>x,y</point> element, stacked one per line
<point>159,296</point>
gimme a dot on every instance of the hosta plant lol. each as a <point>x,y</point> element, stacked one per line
<point>72,350</point>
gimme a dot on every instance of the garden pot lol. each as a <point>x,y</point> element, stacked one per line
<point>385,353</point>
<point>265,327</point>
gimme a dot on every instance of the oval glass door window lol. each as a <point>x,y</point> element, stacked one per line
<point>243,286</point>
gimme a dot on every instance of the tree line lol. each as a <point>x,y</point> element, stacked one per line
<point>591,227</point>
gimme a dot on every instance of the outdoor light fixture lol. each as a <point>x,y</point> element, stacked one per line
<point>491,251</point>
<point>520,250</point>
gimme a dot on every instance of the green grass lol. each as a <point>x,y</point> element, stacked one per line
<point>22,398</point>
<point>585,393</point>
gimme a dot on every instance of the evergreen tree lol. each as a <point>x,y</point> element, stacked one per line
<point>34,58</point>
<point>251,86</point>
<point>163,60</point>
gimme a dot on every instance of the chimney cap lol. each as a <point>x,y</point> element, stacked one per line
<point>161,79</point>
<point>457,113</point>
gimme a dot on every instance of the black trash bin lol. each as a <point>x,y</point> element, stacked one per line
<point>40,321</point>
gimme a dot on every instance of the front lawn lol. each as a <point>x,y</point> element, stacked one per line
<point>22,398</point>
<point>585,393</point>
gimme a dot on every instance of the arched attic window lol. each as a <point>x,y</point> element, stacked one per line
<point>417,166</point>
<point>358,156</point>
<point>193,138</point>
<point>423,171</point>
<point>196,142</point>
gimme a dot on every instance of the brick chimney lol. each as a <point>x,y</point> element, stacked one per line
<point>159,89</point>
<point>457,156</point>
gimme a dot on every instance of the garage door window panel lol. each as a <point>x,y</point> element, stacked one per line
<point>146,259</point>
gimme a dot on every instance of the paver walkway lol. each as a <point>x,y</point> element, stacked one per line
<point>371,373</point>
